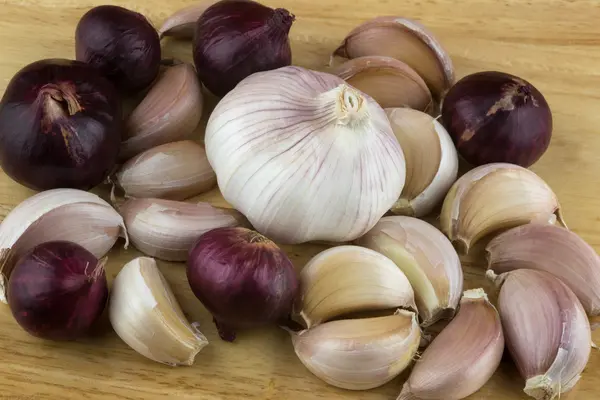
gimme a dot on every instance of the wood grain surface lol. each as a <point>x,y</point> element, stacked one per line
<point>554,44</point>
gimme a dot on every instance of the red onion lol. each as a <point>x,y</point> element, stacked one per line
<point>236,38</point>
<point>60,126</point>
<point>244,279</point>
<point>497,117</point>
<point>57,291</point>
<point>121,43</point>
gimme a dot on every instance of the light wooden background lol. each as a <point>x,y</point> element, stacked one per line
<point>554,44</point>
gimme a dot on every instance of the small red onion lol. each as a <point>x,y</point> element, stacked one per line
<point>497,117</point>
<point>236,38</point>
<point>57,291</point>
<point>121,43</point>
<point>244,279</point>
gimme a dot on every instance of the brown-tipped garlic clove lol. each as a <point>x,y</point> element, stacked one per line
<point>547,332</point>
<point>494,197</point>
<point>182,23</point>
<point>168,229</point>
<point>407,41</point>
<point>171,111</point>
<point>359,354</point>
<point>348,279</point>
<point>390,82</point>
<point>431,161</point>
<point>463,357</point>
<point>145,314</point>
<point>174,171</point>
<point>552,249</point>
<point>428,260</point>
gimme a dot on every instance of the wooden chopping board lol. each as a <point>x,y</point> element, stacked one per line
<point>554,44</point>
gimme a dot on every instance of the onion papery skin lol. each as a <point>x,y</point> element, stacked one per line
<point>497,117</point>
<point>60,126</point>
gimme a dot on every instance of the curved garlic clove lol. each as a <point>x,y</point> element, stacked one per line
<point>359,354</point>
<point>171,111</point>
<point>182,23</point>
<point>348,279</point>
<point>175,171</point>
<point>59,214</point>
<point>493,197</point>
<point>428,260</point>
<point>145,314</point>
<point>547,332</point>
<point>463,357</point>
<point>431,161</point>
<point>168,229</point>
<point>390,82</point>
<point>405,40</point>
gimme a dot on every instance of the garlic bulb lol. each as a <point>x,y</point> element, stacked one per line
<point>493,197</point>
<point>427,258</point>
<point>347,279</point>
<point>304,156</point>
<point>359,354</point>
<point>431,161</point>
<point>463,357</point>
<point>146,315</point>
<point>181,24</point>
<point>547,332</point>
<point>59,214</point>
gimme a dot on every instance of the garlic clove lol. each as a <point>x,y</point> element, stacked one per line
<point>174,171</point>
<point>428,260</point>
<point>405,40</point>
<point>348,279</point>
<point>547,332</point>
<point>359,354</point>
<point>431,161</point>
<point>168,229</point>
<point>171,111</point>
<point>145,314</point>
<point>494,197</point>
<point>552,249</point>
<point>463,357</point>
<point>390,82</point>
<point>182,23</point>
<point>59,214</point>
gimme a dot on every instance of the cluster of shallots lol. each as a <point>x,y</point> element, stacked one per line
<point>353,157</point>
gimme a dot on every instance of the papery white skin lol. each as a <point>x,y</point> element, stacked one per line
<point>304,156</point>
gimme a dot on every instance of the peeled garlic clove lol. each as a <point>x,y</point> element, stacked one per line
<point>175,171</point>
<point>59,214</point>
<point>493,197</point>
<point>463,357</point>
<point>547,332</point>
<point>171,111</point>
<point>404,40</point>
<point>168,229</point>
<point>146,315</point>
<point>431,161</point>
<point>348,279</point>
<point>428,260</point>
<point>182,23</point>
<point>390,82</point>
<point>359,354</point>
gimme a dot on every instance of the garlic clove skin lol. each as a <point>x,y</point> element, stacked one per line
<point>359,354</point>
<point>463,357</point>
<point>405,40</point>
<point>167,229</point>
<point>390,82</point>
<point>170,112</point>
<point>181,24</point>
<point>348,279</point>
<point>145,314</point>
<point>495,197</point>
<point>174,171</point>
<point>428,260</point>
<point>431,161</point>
<point>548,334</point>
<point>551,249</point>
<point>59,214</point>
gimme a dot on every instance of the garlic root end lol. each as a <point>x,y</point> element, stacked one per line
<point>541,387</point>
